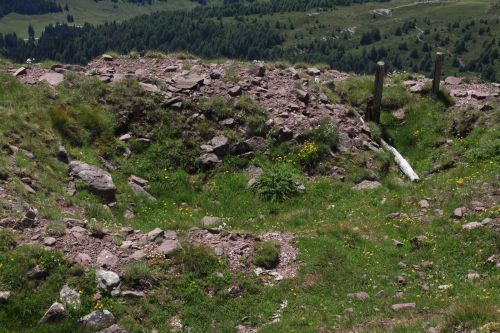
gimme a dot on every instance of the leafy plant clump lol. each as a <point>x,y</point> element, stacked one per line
<point>136,272</point>
<point>277,183</point>
<point>266,255</point>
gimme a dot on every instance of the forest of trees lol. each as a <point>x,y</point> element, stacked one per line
<point>203,32</point>
<point>28,7</point>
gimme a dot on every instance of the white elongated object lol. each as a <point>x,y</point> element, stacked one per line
<point>401,162</point>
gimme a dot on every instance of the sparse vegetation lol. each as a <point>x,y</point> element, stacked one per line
<point>266,255</point>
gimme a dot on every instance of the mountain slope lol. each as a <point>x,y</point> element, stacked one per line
<point>305,248</point>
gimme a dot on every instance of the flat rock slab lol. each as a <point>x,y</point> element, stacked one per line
<point>367,185</point>
<point>52,78</point>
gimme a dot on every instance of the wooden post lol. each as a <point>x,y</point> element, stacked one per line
<point>438,68</point>
<point>373,111</point>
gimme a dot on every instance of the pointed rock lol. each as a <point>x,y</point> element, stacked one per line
<point>56,312</point>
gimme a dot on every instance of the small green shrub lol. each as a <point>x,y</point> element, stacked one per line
<point>231,74</point>
<point>55,228</point>
<point>198,261</point>
<point>277,183</point>
<point>468,317</point>
<point>7,239</point>
<point>136,272</point>
<point>217,107</point>
<point>395,97</point>
<point>155,55</point>
<point>95,228</point>
<point>253,115</point>
<point>325,133</point>
<point>266,255</point>
<point>356,90</point>
<point>375,130</point>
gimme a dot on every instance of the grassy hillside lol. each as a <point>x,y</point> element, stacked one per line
<point>86,11</point>
<point>346,239</point>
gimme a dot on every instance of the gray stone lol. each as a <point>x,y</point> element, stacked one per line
<point>367,185</point>
<point>453,80</point>
<point>138,255</point>
<point>208,160</point>
<point>424,204</point>
<point>141,191</point>
<point>49,241</point>
<point>210,220</point>
<point>114,329</point>
<point>459,212</point>
<point>97,180</point>
<point>362,296</point>
<point>128,214</point>
<point>106,259</point>
<point>403,306</point>
<point>149,87</point>
<point>313,71</point>
<point>62,155</point>
<point>52,78</point>
<point>20,71</point>
<point>125,137</point>
<point>83,259</point>
<point>4,296</point>
<point>284,134</point>
<point>155,234</point>
<point>70,298</point>
<point>302,95</point>
<point>257,69</point>
<point>256,142</point>
<point>234,91</point>
<point>98,319</point>
<point>168,247</point>
<point>133,293</point>
<point>37,273</point>
<point>56,312</point>
<point>472,225</point>
<point>108,281</point>
<point>220,146</point>
<point>170,69</point>
<point>107,57</point>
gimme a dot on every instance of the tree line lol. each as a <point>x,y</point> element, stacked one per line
<point>28,7</point>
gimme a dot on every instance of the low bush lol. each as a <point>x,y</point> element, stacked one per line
<point>55,228</point>
<point>267,255</point>
<point>136,272</point>
<point>198,261</point>
<point>7,239</point>
<point>277,183</point>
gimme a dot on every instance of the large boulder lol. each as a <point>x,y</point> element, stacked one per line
<point>96,179</point>
<point>98,319</point>
<point>108,281</point>
<point>70,297</point>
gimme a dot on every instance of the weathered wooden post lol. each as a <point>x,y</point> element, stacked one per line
<point>438,68</point>
<point>373,111</point>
